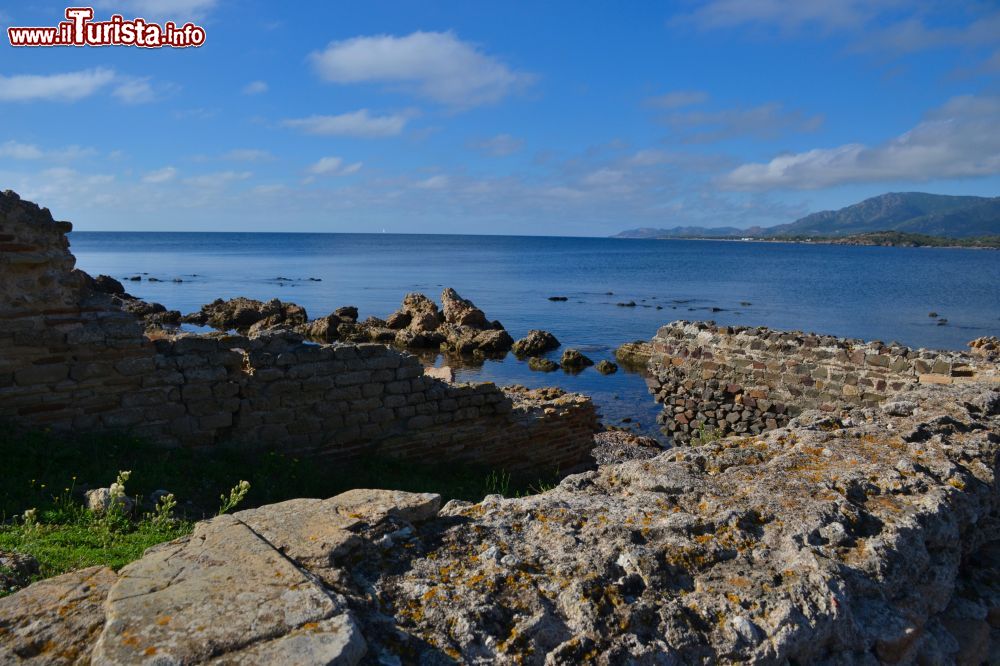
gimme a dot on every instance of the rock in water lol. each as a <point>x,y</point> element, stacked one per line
<point>606,367</point>
<point>534,343</point>
<point>572,359</point>
<point>462,312</point>
<point>542,364</point>
<point>634,354</point>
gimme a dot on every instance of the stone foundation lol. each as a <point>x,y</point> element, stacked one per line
<point>72,360</point>
<point>747,380</point>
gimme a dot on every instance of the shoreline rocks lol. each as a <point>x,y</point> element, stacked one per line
<point>534,343</point>
<point>574,360</point>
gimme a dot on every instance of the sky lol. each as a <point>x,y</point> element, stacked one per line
<point>535,118</point>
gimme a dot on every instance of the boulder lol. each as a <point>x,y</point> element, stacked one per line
<point>225,593</point>
<point>634,354</point>
<point>323,329</point>
<point>99,500</point>
<point>540,364</point>
<point>467,340</point>
<point>444,373</point>
<point>462,312</point>
<point>108,285</point>
<point>55,621</point>
<point>606,367</point>
<point>348,312</point>
<point>398,320</point>
<point>534,343</point>
<point>249,315</point>
<point>572,359</point>
<point>16,570</point>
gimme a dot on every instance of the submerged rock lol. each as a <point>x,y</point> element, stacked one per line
<point>606,367</point>
<point>542,364</point>
<point>534,343</point>
<point>634,355</point>
<point>248,315</point>
<point>573,359</point>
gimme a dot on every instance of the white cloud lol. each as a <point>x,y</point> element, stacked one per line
<point>163,175</point>
<point>678,99</point>
<point>604,177</point>
<point>246,155</point>
<point>958,140</point>
<point>435,65</point>
<point>67,87</point>
<point>180,11</point>
<point>500,145</point>
<point>765,121</point>
<point>26,151</point>
<point>438,182</point>
<point>20,151</point>
<point>334,166</point>
<point>788,16</point>
<point>134,91</point>
<point>357,123</point>
<point>218,179</point>
<point>255,88</point>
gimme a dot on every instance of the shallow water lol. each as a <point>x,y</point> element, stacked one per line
<point>866,292</point>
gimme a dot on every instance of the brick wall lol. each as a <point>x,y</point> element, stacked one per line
<point>70,359</point>
<point>739,379</point>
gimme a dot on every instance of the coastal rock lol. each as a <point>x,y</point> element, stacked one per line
<point>612,447</point>
<point>534,343</point>
<point>540,364</point>
<point>398,320</point>
<point>223,592</point>
<point>987,347</point>
<point>55,621</point>
<point>323,329</point>
<point>558,298</point>
<point>348,312</point>
<point>606,367</point>
<point>466,340</point>
<point>418,339</point>
<point>248,315</point>
<point>444,373</point>
<point>573,359</point>
<point>423,313</point>
<point>99,500</point>
<point>634,355</point>
<point>16,570</point>
<point>108,285</point>
<point>462,312</point>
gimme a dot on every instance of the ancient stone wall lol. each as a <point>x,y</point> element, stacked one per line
<point>70,359</point>
<point>740,379</point>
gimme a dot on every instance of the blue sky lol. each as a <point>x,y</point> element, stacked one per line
<point>555,118</point>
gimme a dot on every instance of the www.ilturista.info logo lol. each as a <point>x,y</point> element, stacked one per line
<point>79,29</point>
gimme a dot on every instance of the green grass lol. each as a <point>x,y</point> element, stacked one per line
<point>49,473</point>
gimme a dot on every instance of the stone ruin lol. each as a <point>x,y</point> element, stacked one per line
<point>860,530</point>
<point>72,359</point>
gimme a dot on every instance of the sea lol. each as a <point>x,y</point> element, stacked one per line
<point>880,293</point>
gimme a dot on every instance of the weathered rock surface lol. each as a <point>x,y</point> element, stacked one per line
<point>224,592</point>
<point>634,354</point>
<point>540,364</point>
<point>573,359</point>
<point>248,315</point>
<point>606,367</point>
<point>461,312</point>
<point>618,446</point>
<point>534,343</point>
<point>55,621</point>
<point>865,536</point>
<point>16,570</point>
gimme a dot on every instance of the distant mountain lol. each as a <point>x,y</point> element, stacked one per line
<point>684,232</point>
<point>910,212</point>
<point>906,212</point>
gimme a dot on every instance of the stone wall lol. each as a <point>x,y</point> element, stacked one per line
<point>747,380</point>
<point>71,359</point>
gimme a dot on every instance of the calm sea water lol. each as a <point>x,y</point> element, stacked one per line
<point>867,292</point>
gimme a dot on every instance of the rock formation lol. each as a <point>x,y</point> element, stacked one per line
<point>865,536</point>
<point>534,343</point>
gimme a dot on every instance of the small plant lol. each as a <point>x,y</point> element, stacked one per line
<point>498,483</point>
<point>118,488</point>
<point>163,515</point>
<point>30,518</point>
<point>703,435</point>
<point>236,495</point>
